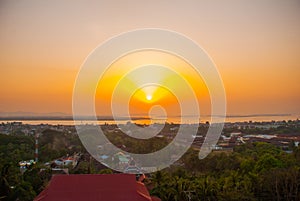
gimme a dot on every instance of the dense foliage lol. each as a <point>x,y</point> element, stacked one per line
<point>252,171</point>
<point>14,185</point>
<point>16,148</point>
<point>257,171</point>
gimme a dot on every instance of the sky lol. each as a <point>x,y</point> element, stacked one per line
<point>254,44</point>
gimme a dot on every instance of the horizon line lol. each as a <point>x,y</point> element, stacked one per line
<point>141,117</point>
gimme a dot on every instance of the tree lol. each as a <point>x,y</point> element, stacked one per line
<point>23,192</point>
<point>206,188</point>
<point>266,162</point>
<point>4,184</point>
<point>105,171</point>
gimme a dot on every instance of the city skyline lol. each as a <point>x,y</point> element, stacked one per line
<point>255,46</point>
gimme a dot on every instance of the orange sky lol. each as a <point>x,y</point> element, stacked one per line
<point>255,45</point>
<point>131,71</point>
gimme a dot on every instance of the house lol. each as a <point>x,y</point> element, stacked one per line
<point>123,159</point>
<point>96,187</point>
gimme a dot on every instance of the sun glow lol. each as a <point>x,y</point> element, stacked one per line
<point>148,78</point>
<point>149,97</point>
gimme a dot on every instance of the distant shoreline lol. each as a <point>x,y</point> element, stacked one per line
<point>108,118</point>
<point>68,118</point>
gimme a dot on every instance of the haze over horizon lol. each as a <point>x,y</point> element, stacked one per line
<point>60,114</point>
<point>254,44</point>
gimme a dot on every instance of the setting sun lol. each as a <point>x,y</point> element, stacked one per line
<point>147,78</point>
<point>149,100</point>
<point>149,97</point>
<point>42,74</point>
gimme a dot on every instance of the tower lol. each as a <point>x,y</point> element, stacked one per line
<point>36,152</point>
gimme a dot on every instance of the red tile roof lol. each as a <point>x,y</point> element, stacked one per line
<point>105,187</point>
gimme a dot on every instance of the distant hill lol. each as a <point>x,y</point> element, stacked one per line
<point>19,116</point>
<point>33,114</point>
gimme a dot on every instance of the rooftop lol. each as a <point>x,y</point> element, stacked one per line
<point>101,187</point>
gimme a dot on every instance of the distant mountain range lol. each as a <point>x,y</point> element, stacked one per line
<point>21,115</point>
<point>258,115</point>
<point>33,114</point>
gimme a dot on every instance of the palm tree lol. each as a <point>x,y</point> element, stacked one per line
<point>206,188</point>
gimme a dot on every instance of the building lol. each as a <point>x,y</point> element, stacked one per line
<point>96,187</point>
